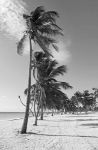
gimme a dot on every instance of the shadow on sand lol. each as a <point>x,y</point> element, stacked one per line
<point>63,120</point>
<point>92,125</point>
<point>79,116</point>
<point>38,134</point>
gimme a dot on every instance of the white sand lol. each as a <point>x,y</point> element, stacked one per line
<point>60,132</point>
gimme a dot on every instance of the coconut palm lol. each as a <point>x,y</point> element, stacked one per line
<point>50,87</point>
<point>77,99</point>
<point>88,100</point>
<point>41,26</point>
<point>36,99</point>
<point>47,71</point>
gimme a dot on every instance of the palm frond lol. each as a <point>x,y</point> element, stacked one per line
<point>58,71</point>
<point>52,64</point>
<point>46,29</point>
<point>47,82</point>
<point>52,13</point>
<point>32,88</point>
<point>25,16</point>
<point>49,16</point>
<point>43,46</point>
<point>54,98</point>
<point>47,40</point>
<point>64,85</point>
<point>51,80</point>
<point>39,56</point>
<point>37,13</point>
<point>45,19</point>
<point>55,26</point>
<point>20,45</point>
<point>55,47</point>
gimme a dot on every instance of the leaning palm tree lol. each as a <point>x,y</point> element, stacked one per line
<point>36,99</point>
<point>41,26</point>
<point>49,87</point>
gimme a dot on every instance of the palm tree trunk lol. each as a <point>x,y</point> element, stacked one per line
<point>52,112</point>
<point>36,117</point>
<point>25,122</point>
<point>41,117</point>
<point>41,104</point>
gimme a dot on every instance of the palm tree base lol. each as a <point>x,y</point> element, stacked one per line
<point>23,131</point>
<point>41,118</point>
<point>34,124</point>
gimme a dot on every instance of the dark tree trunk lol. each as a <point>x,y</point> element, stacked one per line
<point>36,116</point>
<point>52,112</point>
<point>41,105</point>
<point>41,117</point>
<point>25,122</point>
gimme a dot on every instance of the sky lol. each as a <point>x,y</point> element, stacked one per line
<point>79,21</point>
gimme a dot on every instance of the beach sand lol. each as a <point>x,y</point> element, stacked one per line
<point>58,132</point>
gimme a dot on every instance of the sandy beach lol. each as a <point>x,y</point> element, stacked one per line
<point>60,132</point>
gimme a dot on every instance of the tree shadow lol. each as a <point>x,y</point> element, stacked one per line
<point>92,125</point>
<point>48,126</point>
<point>72,120</point>
<point>52,120</point>
<point>79,116</point>
<point>86,119</point>
<point>57,135</point>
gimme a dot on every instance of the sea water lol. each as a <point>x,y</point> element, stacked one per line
<point>11,115</point>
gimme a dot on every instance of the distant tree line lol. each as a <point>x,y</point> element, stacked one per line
<point>82,101</point>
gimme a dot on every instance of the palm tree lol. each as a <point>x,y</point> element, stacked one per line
<point>88,100</point>
<point>50,88</point>
<point>78,98</point>
<point>47,72</point>
<point>66,104</point>
<point>41,26</point>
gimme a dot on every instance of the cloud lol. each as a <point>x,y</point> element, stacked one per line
<point>11,20</point>
<point>12,23</point>
<point>3,97</point>
<point>63,56</point>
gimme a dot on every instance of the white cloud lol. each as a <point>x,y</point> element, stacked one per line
<point>11,20</point>
<point>3,97</point>
<point>63,55</point>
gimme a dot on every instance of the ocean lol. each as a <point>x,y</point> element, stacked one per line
<point>11,115</point>
<point>15,115</point>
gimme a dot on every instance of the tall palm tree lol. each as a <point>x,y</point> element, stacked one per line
<point>41,26</point>
<point>47,71</point>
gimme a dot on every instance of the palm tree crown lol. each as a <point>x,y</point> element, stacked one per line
<point>47,72</point>
<point>41,26</point>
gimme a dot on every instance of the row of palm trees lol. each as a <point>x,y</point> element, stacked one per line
<point>82,101</point>
<point>42,29</point>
